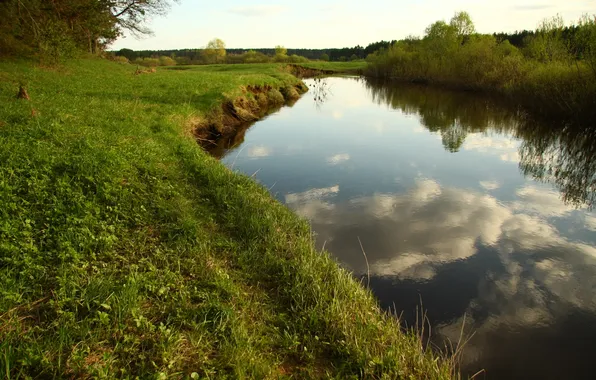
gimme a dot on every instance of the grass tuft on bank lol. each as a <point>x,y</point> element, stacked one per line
<point>126,251</point>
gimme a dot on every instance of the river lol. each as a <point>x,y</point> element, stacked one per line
<point>464,207</point>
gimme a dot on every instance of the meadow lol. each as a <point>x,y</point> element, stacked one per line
<point>126,251</point>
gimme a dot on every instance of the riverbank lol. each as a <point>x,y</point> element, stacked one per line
<point>547,91</point>
<point>353,67</point>
<point>125,250</point>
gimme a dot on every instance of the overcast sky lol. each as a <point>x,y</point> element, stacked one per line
<point>326,24</point>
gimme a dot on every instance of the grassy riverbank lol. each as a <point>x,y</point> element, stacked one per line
<point>355,67</point>
<point>127,251</point>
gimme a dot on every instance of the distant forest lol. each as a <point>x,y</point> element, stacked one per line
<point>194,55</point>
<point>190,56</point>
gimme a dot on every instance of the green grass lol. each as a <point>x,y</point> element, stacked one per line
<point>126,251</point>
<point>339,67</point>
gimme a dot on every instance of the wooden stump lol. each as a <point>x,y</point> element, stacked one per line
<point>23,93</point>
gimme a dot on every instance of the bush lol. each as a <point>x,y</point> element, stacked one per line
<point>55,43</point>
<point>166,61</point>
<point>252,56</point>
<point>297,59</point>
<point>280,58</point>
<point>147,62</point>
<point>119,59</point>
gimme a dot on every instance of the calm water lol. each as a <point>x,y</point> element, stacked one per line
<point>461,204</point>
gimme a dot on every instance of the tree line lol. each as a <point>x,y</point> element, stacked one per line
<point>553,69</point>
<point>570,35</point>
<point>259,55</point>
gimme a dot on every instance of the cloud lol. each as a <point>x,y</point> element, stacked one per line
<point>490,185</point>
<point>536,280</point>
<point>506,149</point>
<point>257,10</point>
<point>338,159</point>
<point>590,223</point>
<point>312,194</point>
<point>510,157</point>
<point>406,235</point>
<point>545,278</point>
<point>411,235</point>
<point>541,201</point>
<point>484,143</point>
<point>532,7</point>
<point>258,151</point>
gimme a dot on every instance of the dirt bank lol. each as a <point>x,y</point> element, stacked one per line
<point>254,103</point>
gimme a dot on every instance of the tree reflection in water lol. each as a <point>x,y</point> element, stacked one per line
<point>557,153</point>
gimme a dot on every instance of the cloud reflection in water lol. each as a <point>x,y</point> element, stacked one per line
<point>412,236</point>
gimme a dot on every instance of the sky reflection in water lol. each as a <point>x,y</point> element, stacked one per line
<point>459,201</point>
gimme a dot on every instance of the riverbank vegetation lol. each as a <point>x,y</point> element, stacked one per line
<point>554,73</point>
<point>355,67</point>
<point>125,250</point>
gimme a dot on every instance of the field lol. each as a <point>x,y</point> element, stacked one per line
<point>126,251</point>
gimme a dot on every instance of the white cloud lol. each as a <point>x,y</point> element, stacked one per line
<point>338,159</point>
<point>590,222</point>
<point>541,277</point>
<point>482,143</point>
<point>529,293</point>
<point>410,235</point>
<point>257,10</point>
<point>312,194</point>
<point>545,202</point>
<point>490,185</point>
<point>407,235</point>
<point>532,7</point>
<point>505,148</point>
<point>258,151</point>
<point>510,157</point>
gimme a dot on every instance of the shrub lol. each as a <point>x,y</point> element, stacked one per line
<point>252,56</point>
<point>297,59</point>
<point>166,61</point>
<point>147,62</point>
<point>119,59</point>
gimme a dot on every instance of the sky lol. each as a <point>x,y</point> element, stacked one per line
<point>334,24</point>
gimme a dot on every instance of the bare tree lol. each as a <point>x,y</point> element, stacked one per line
<point>131,15</point>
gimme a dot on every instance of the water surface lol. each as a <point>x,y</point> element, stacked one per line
<point>461,203</point>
